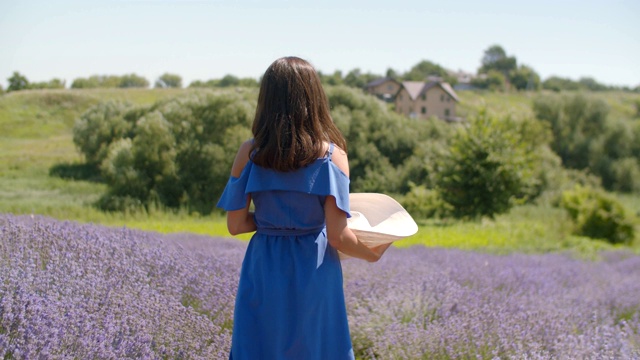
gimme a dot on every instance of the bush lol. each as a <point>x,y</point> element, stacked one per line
<point>176,153</point>
<point>558,84</point>
<point>387,150</point>
<point>96,81</point>
<point>133,81</point>
<point>167,80</point>
<point>490,166</point>
<point>226,81</point>
<point>627,175</point>
<point>110,81</point>
<point>51,84</point>
<point>493,80</point>
<point>586,138</point>
<point>99,126</point>
<point>17,82</point>
<point>597,215</point>
<point>423,203</point>
<point>576,122</point>
<point>524,78</point>
<point>121,174</point>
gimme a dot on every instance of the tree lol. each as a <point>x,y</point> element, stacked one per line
<point>391,73</point>
<point>133,81</point>
<point>493,80</point>
<point>489,166</point>
<point>205,84</point>
<point>611,156</point>
<point>577,122</point>
<point>355,78</point>
<point>386,150</point>
<point>51,84</point>
<point>556,83</point>
<point>85,83</point>
<point>525,78</point>
<point>100,126</point>
<point>248,82</point>
<point>17,82</point>
<point>591,84</point>
<point>585,138</point>
<point>495,58</point>
<point>167,80</point>
<point>56,83</point>
<point>334,79</point>
<point>229,80</point>
<point>425,69</point>
<point>109,81</point>
<point>174,153</point>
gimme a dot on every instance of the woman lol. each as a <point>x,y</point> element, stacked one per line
<point>290,300</point>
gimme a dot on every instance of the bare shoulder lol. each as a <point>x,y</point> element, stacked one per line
<point>340,158</point>
<point>242,158</point>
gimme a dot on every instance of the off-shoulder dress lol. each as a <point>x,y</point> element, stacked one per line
<point>290,300</point>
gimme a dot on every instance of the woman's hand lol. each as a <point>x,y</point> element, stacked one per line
<point>380,250</point>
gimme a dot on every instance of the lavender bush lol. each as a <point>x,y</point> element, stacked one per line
<point>445,304</point>
<point>71,291</point>
<point>74,291</point>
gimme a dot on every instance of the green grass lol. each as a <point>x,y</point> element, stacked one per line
<point>526,229</point>
<point>519,104</point>
<point>36,134</point>
<point>37,114</point>
<point>516,105</point>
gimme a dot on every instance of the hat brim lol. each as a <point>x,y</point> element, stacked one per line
<point>378,219</point>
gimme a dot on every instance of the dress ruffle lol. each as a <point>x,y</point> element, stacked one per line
<point>322,178</point>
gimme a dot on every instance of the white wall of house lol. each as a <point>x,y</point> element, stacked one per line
<point>434,102</point>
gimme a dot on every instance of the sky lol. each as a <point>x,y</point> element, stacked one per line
<point>207,39</point>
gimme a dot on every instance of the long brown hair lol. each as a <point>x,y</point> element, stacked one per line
<point>292,120</point>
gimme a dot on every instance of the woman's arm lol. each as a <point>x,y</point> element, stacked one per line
<point>241,221</point>
<point>338,233</point>
<point>342,238</point>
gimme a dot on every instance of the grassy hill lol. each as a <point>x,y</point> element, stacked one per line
<point>36,134</point>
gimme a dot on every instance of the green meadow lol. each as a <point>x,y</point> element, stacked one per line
<point>36,137</point>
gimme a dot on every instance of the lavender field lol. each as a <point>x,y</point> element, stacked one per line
<point>73,291</point>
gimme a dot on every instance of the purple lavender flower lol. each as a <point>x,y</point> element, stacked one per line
<point>70,291</point>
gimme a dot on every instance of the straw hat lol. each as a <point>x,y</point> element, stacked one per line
<point>378,219</point>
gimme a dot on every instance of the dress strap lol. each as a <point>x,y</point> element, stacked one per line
<point>330,152</point>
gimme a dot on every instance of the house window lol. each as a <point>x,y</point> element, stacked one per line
<point>424,109</point>
<point>441,97</point>
<point>400,97</point>
<point>448,99</point>
<point>424,97</point>
<point>389,87</point>
<point>446,112</point>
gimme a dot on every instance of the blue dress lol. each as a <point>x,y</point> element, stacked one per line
<point>290,301</point>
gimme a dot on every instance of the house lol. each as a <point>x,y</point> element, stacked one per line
<point>464,80</point>
<point>418,99</point>
<point>385,88</point>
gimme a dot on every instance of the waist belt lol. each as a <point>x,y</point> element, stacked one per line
<point>319,233</point>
